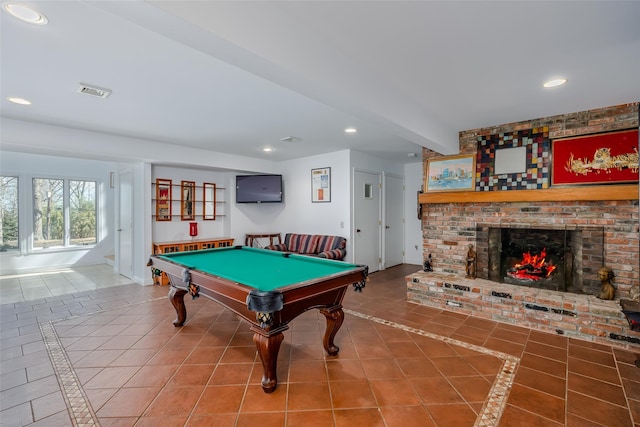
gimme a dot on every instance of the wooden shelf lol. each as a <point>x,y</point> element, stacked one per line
<point>197,186</point>
<point>199,215</point>
<point>161,278</point>
<point>577,193</point>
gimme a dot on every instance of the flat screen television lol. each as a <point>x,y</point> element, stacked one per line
<point>258,188</point>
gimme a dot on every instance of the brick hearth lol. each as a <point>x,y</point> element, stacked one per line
<point>579,316</point>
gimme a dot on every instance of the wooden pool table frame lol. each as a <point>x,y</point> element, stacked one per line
<point>324,293</point>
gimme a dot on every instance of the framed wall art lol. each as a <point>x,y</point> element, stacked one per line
<point>208,201</point>
<point>596,159</point>
<point>163,199</point>
<point>321,185</point>
<point>187,201</point>
<point>451,173</point>
<point>518,160</point>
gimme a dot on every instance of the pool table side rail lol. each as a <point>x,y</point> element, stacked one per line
<point>233,295</point>
<point>229,270</point>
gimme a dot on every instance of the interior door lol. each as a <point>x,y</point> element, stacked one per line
<point>125,221</point>
<point>393,242</point>
<point>367,221</point>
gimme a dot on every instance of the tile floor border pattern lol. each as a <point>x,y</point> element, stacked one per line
<point>82,414</point>
<point>74,396</point>
<point>497,399</point>
<point>78,406</point>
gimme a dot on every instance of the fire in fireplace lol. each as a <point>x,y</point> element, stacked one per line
<point>532,267</point>
<point>564,260</point>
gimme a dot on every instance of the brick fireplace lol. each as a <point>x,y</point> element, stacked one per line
<point>581,232</point>
<point>564,259</point>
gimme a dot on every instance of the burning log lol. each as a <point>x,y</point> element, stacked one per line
<point>532,267</point>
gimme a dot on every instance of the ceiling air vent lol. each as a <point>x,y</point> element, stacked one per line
<point>94,90</point>
<point>290,139</point>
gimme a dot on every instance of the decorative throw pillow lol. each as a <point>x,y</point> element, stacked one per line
<point>303,243</point>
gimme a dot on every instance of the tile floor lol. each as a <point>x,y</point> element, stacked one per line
<point>109,355</point>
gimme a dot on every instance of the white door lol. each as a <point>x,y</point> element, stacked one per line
<point>367,221</point>
<point>125,235</point>
<point>393,242</point>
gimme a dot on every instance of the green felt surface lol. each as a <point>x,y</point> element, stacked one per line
<point>262,269</point>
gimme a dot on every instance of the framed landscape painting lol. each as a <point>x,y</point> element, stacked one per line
<point>451,173</point>
<point>596,159</point>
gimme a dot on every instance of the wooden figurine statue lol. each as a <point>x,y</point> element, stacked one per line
<point>606,278</point>
<point>471,263</point>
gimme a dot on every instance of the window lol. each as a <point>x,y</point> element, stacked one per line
<point>82,212</point>
<point>9,213</point>
<point>64,213</point>
<point>48,213</point>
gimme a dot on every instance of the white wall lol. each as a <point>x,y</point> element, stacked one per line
<point>413,250</point>
<point>296,214</point>
<point>365,162</point>
<point>21,136</point>
<point>28,166</point>
<point>176,229</point>
<point>304,216</point>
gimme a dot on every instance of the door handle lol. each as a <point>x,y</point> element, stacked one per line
<point>357,230</point>
<point>387,227</point>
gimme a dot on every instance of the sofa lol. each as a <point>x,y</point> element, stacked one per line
<point>318,245</point>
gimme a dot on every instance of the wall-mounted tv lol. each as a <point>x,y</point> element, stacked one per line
<point>258,188</point>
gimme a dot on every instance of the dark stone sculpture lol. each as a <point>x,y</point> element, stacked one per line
<point>427,264</point>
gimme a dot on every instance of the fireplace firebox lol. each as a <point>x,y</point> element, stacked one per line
<point>565,260</point>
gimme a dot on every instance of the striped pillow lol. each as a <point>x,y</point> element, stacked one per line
<point>333,254</point>
<point>303,243</point>
<point>327,243</point>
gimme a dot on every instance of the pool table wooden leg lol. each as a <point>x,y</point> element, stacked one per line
<point>268,349</point>
<point>176,296</point>
<point>335,317</point>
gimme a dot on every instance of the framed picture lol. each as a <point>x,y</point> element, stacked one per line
<point>451,173</point>
<point>208,201</point>
<point>187,201</point>
<point>519,160</point>
<point>321,185</point>
<point>163,199</point>
<point>595,159</point>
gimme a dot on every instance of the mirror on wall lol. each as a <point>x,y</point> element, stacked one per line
<point>209,201</point>
<point>187,201</point>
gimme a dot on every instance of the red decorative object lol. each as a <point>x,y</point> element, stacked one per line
<point>193,229</point>
<point>596,159</point>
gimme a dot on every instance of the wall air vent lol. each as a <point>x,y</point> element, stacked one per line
<point>94,90</point>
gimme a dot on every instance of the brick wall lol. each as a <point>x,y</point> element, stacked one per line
<point>449,228</point>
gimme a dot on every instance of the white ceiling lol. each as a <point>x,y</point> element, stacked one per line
<point>237,76</point>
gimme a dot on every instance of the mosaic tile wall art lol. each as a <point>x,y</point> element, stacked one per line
<point>538,156</point>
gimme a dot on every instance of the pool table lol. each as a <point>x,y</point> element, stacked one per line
<point>267,288</point>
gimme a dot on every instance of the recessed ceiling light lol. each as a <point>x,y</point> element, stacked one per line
<point>20,101</point>
<point>555,82</point>
<point>351,130</point>
<point>25,13</point>
<point>266,149</point>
